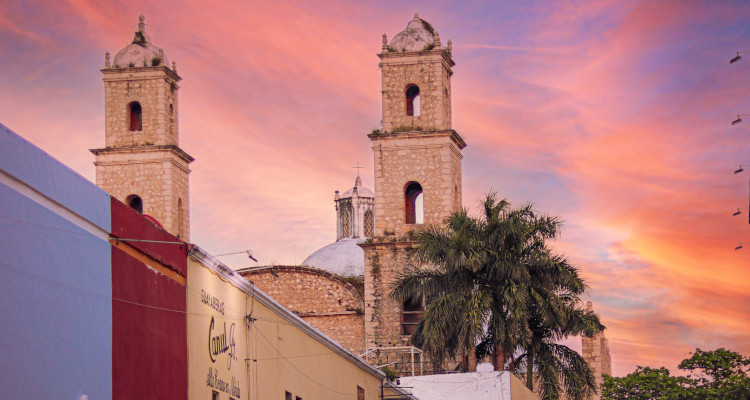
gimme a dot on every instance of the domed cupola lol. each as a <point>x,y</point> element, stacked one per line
<point>419,35</point>
<point>140,53</point>
<point>355,211</point>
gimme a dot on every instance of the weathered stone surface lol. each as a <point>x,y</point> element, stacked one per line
<point>145,162</point>
<point>326,301</point>
<point>595,351</point>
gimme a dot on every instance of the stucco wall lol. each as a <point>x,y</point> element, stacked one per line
<point>55,279</point>
<point>281,356</point>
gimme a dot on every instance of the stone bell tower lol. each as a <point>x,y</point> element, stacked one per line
<point>417,174</point>
<point>142,164</point>
<point>417,153</point>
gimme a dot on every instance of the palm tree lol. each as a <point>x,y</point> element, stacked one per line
<point>493,281</point>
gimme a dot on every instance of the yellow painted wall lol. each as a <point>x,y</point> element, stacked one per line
<point>281,357</point>
<point>209,297</point>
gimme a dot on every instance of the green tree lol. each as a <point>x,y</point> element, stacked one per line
<point>712,375</point>
<point>645,384</point>
<point>718,374</point>
<point>492,280</point>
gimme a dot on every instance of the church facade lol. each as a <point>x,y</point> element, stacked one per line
<point>343,288</point>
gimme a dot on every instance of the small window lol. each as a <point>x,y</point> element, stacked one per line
<point>287,396</point>
<point>369,224</point>
<point>136,116</point>
<point>360,393</point>
<point>411,313</point>
<point>414,203</point>
<point>413,101</point>
<point>171,109</point>
<point>214,395</point>
<point>346,220</point>
<point>297,398</point>
<point>135,203</point>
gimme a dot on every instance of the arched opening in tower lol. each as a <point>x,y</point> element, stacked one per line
<point>413,102</point>
<point>136,116</point>
<point>135,202</point>
<point>414,204</point>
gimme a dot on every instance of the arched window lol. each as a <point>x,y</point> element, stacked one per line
<point>413,102</point>
<point>414,204</point>
<point>411,314</point>
<point>136,116</point>
<point>135,203</point>
<point>369,224</point>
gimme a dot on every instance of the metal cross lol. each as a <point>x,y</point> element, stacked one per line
<point>358,168</point>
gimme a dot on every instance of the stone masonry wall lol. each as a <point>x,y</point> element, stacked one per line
<point>595,351</point>
<point>431,159</point>
<point>383,263</point>
<point>155,88</point>
<point>324,300</point>
<point>158,177</point>
<point>430,71</point>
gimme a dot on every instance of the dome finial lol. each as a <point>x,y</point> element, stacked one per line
<point>174,66</point>
<point>416,15</point>
<point>141,24</point>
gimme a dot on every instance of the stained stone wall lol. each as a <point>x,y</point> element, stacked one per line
<point>432,159</point>
<point>155,88</point>
<point>147,162</point>
<point>383,262</point>
<point>157,174</point>
<point>325,300</point>
<point>595,351</point>
<point>430,71</point>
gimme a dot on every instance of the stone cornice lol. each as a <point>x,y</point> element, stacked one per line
<point>391,56</point>
<point>455,137</point>
<point>176,150</point>
<point>138,73</point>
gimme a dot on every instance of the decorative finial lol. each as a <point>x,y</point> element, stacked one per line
<point>161,57</point>
<point>436,39</point>
<point>174,66</point>
<point>416,15</point>
<point>141,24</point>
<point>385,43</point>
<point>106,60</point>
<point>450,46</point>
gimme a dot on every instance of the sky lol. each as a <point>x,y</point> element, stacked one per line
<point>613,115</point>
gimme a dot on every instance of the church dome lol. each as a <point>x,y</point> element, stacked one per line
<point>361,190</point>
<point>140,53</point>
<point>419,35</point>
<point>344,258</point>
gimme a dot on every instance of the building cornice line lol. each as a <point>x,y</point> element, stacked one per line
<point>174,149</point>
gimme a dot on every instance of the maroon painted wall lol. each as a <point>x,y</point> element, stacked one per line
<point>128,224</point>
<point>149,324</point>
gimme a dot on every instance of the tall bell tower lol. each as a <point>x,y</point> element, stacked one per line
<point>417,175</point>
<point>142,164</point>
<point>417,153</point>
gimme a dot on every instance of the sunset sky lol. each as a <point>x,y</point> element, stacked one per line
<point>613,115</point>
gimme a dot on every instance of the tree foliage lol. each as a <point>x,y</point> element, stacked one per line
<point>712,375</point>
<point>493,281</point>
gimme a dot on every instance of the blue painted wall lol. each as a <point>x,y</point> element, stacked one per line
<point>55,282</point>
